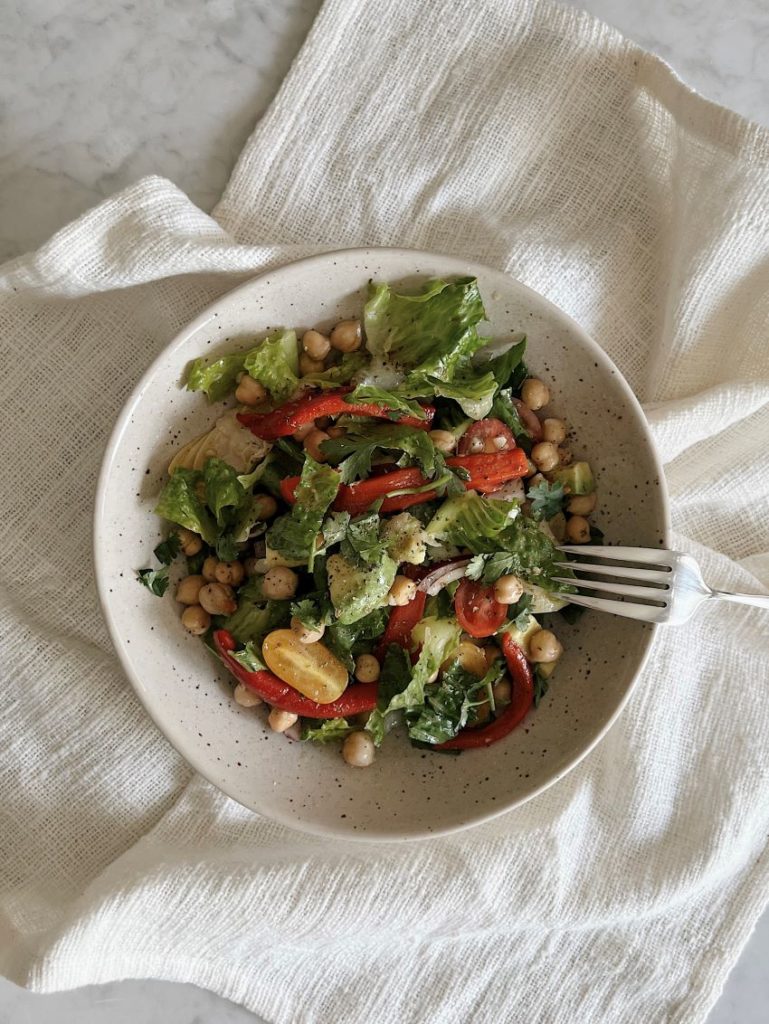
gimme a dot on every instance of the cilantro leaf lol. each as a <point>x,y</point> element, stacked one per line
<point>541,686</point>
<point>361,441</point>
<point>520,612</point>
<point>155,580</point>
<point>361,544</point>
<point>393,400</point>
<point>168,549</point>
<point>547,499</point>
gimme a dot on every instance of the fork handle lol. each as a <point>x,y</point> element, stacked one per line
<point>759,600</point>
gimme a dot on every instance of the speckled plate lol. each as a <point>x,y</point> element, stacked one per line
<point>407,793</point>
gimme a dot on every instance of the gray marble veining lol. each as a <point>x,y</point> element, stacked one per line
<point>92,96</point>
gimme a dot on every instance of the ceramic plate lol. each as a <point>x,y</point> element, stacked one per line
<point>407,793</point>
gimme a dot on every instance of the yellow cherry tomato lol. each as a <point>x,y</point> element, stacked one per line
<point>310,668</point>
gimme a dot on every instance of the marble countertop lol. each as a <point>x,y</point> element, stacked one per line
<point>90,101</point>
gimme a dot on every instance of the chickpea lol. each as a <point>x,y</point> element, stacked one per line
<point>443,440</point>
<point>195,620</point>
<point>230,572</point>
<point>335,432</point>
<point>315,344</point>
<point>535,393</point>
<point>508,589</point>
<point>190,544</point>
<point>578,530</point>
<point>280,583</point>
<point>305,634</point>
<point>301,432</point>
<point>492,654</point>
<point>545,456</point>
<point>218,599</point>
<point>281,720</point>
<point>358,750</point>
<point>246,697</point>
<point>402,591</point>
<point>346,336</point>
<point>554,430</point>
<point>503,691</point>
<point>582,504</point>
<point>265,507</point>
<point>249,391</point>
<point>209,569</point>
<point>312,444</point>
<point>188,591</point>
<point>471,657</point>
<point>544,646</point>
<point>531,470</point>
<point>308,365</point>
<point>564,455</point>
<point>366,668</point>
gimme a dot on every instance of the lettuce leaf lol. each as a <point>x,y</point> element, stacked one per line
<point>180,502</point>
<point>352,363</point>
<point>502,408</point>
<point>328,730</point>
<point>473,392</point>
<point>275,364</point>
<point>509,369</point>
<point>253,620</point>
<point>348,641</point>
<point>470,521</point>
<point>361,544</point>
<point>217,379</point>
<point>294,535</point>
<point>399,403</point>
<point>155,580</point>
<point>433,331</point>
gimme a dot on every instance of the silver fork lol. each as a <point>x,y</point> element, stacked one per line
<point>669,585</point>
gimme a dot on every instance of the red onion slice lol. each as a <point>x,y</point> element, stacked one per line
<point>442,575</point>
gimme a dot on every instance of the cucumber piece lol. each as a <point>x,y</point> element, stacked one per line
<point>578,478</point>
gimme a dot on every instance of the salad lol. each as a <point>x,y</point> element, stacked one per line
<point>370,528</point>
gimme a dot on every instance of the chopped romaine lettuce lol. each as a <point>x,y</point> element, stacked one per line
<point>355,591</point>
<point>471,521</point>
<point>215,379</point>
<point>352,364</point>
<point>394,677</point>
<point>502,408</point>
<point>327,730</point>
<point>223,490</point>
<point>253,621</point>
<point>181,502</point>
<point>275,364</point>
<point>508,369</point>
<point>434,331</point>
<point>348,641</point>
<point>295,534</point>
<point>473,392</point>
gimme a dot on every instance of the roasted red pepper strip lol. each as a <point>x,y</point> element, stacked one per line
<point>514,713</point>
<point>402,620</point>
<point>486,473</point>
<point>289,417</point>
<point>355,700</point>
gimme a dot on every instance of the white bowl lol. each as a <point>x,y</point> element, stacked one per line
<point>407,793</point>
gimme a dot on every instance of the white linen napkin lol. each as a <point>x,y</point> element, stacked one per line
<point>539,141</point>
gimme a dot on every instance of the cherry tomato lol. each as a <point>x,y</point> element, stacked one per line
<point>402,620</point>
<point>486,436</point>
<point>529,419</point>
<point>310,668</point>
<point>478,611</point>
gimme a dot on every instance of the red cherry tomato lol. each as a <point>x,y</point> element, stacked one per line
<point>478,611</point>
<point>529,419</point>
<point>486,437</point>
